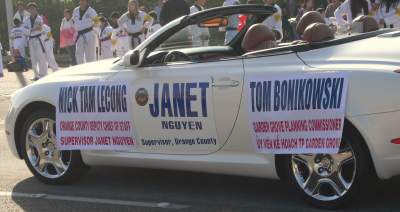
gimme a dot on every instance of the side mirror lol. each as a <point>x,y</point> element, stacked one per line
<point>134,58</point>
<point>214,22</point>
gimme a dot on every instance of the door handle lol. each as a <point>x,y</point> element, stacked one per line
<point>226,83</point>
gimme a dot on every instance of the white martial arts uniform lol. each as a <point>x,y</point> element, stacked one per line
<point>200,36</point>
<point>154,28</point>
<point>391,16</point>
<point>1,61</point>
<point>345,10</point>
<point>121,41</point>
<point>22,16</point>
<point>37,48</point>
<point>134,27</point>
<point>274,22</point>
<point>49,44</point>
<point>106,49</point>
<point>86,38</point>
<point>233,21</point>
<point>19,39</point>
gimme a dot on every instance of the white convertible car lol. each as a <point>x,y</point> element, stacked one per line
<point>190,55</point>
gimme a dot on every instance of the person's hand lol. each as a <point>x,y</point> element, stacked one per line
<point>142,30</point>
<point>333,28</point>
<point>37,28</point>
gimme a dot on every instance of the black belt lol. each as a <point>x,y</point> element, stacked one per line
<point>135,35</point>
<point>46,40</point>
<point>16,37</point>
<point>40,41</point>
<point>230,28</point>
<point>82,32</point>
<point>105,39</point>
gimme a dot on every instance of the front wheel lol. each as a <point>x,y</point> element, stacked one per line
<point>39,149</point>
<point>331,180</point>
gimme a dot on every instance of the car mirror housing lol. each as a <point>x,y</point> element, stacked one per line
<point>134,58</point>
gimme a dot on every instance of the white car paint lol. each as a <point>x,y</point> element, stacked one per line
<point>372,106</point>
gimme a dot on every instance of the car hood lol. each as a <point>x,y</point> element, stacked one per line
<point>89,71</point>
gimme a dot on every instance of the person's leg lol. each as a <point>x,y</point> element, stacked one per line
<point>90,48</point>
<point>43,63</point>
<point>106,50</point>
<point>1,65</point>
<point>71,51</point>
<point>79,51</point>
<point>50,55</point>
<point>33,51</point>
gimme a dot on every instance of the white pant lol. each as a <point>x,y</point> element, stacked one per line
<point>38,57</point>
<point>1,63</point>
<point>106,50</point>
<point>86,48</point>
<point>50,55</point>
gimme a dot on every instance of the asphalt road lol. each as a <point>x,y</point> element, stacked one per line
<point>130,189</point>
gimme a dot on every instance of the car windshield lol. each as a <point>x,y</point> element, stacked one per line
<point>209,35</point>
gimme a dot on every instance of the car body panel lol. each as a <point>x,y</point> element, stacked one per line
<point>372,106</point>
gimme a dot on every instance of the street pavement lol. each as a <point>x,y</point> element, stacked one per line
<point>132,189</point>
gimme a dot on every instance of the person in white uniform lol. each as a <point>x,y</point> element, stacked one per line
<point>389,13</point>
<point>37,50</point>
<point>233,21</point>
<point>49,45</point>
<point>67,35</point>
<point>106,49</point>
<point>200,36</point>
<point>274,21</point>
<point>85,17</point>
<point>21,13</point>
<point>119,38</point>
<point>349,10</point>
<point>1,61</point>
<point>156,25</point>
<point>134,22</point>
<point>18,38</point>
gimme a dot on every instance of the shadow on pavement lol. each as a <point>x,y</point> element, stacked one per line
<point>200,191</point>
<point>21,79</point>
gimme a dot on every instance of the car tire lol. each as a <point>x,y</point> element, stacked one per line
<point>332,181</point>
<point>39,150</point>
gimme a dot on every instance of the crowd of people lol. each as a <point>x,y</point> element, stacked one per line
<point>88,35</point>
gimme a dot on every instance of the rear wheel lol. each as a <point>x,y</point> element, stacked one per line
<point>331,180</point>
<point>39,149</point>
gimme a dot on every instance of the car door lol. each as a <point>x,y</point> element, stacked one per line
<point>185,108</point>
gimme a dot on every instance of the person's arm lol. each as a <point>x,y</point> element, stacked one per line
<point>278,24</point>
<point>122,20</point>
<point>342,10</point>
<point>148,20</point>
<point>39,24</point>
<point>94,17</point>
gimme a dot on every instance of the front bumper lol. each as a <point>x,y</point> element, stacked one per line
<point>10,120</point>
<point>378,130</point>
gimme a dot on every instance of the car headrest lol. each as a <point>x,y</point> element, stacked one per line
<point>307,19</point>
<point>317,32</point>
<point>364,23</point>
<point>258,37</point>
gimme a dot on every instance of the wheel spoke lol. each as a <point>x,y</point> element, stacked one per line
<point>35,140</point>
<point>312,184</point>
<point>304,159</point>
<point>42,165</point>
<point>343,158</point>
<point>338,184</point>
